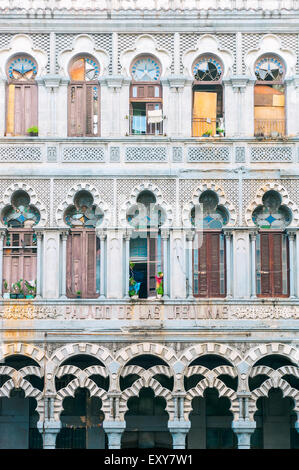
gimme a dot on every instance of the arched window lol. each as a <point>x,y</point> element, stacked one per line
<point>269,99</point>
<point>209,279</point>
<point>84,97</point>
<point>20,246</point>
<point>146,115</point>
<point>83,247</point>
<point>272,257</point>
<point>21,96</point>
<point>146,248</point>
<point>207,96</point>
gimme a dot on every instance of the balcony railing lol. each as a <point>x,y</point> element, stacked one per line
<point>269,127</point>
<point>204,126</point>
<point>139,125</point>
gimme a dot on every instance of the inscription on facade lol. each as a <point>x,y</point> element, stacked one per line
<point>30,311</point>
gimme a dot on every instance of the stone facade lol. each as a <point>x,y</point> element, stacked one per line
<point>241,330</point>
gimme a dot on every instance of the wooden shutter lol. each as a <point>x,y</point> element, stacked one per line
<point>22,100</point>
<point>272,265</point>
<point>76,110</point>
<point>265,264</point>
<point>81,263</point>
<point>19,262</point>
<point>89,110</point>
<point>209,266</point>
<point>213,260</point>
<point>150,128</point>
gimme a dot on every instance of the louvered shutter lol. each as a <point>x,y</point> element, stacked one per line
<point>202,267</point>
<point>91,263</point>
<point>30,106</point>
<point>276,259</point>
<point>89,110</point>
<point>265,264</point>
<point>18,110</point>
<point>213,262</point>
<point>76,110</point>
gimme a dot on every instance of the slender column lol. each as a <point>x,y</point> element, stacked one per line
<point>244,428</point>
<point>49,430</point>
<point>253,264</point>
<point>127,263</point>
<point>63,267</point>
<point>190,237</point>
<point>228,237</point>
<point>2,234</point>
<point>39,237</point>
<point>165,236</point>
<point>102,237</point>
<point>291,235</point>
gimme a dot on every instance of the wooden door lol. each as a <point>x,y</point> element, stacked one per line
<point>76,110</point>
<point>153,128</point>
<point>19,257</point>
<point>21,108</point>
<point>204,108</point>
<point>269,110</point>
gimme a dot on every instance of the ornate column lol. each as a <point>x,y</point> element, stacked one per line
<point>243,428</point>
<point>292,261</point>
<point>228,238</point>
<point>179,430</point>
<point>165,236</point>
<point>127,236</point>
<point>102,236</point>
<point>64,235</point>
<point>114,430</point>
<point>297,263</point>
<point>190,238</point>
<point>49,430</point>
<point>253,264</point>
<point>39,236</point>
<point>2,235</point>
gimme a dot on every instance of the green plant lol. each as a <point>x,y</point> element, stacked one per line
<point>17,287</point>
<point>31,287</point>
<point>78,293</point>
<point>5,285</point>
<point>219,130</point>
<point>32,130</point>
<point>208,132</point>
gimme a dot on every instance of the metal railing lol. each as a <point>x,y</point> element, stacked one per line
<point>204,126</point>
<point>269,127</point>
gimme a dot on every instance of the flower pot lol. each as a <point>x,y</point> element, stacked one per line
<point>29,296</point>
<point>13,296</point>
<point>78,296</point>
<point>6,295</point>
<point>135,297</point>
<point>33,134</point>
<point>159,296</point>
<point>21,296</point>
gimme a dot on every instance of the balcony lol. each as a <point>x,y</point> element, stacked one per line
<point>269,127</point>
<point>140,125</point>
<point>205,127</point>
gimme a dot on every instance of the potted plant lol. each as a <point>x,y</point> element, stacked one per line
<point>32,131</point>
<point>134,286</point>
<point>78,293</point>
<point>14,291</point>
<point>159,285</point>
<point>20,291</point>
<point>31,289</point>
<point>6,294</point>
<point>207,133</point>
<point>220,131</point>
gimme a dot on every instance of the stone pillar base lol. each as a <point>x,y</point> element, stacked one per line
<point>49,430</point>
<point>243,428</point>
<point>114,430</point>
<point>179,429</point>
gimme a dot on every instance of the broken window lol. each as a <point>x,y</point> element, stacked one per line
<point>21,96</point>
<point>269,97</point>
<point>146,97</point>
<point>84,98</point>
<point>207,97</point>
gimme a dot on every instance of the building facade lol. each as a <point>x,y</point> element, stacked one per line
<point>124,323</point>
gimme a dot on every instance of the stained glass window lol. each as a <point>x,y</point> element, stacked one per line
<point>146,69</point>
<point>84,69</point>
<point>22,68</point>
<point>214,216</point>
<point>83,213</point>
<point>20,213</point>
<point>269,68</point>
<point>207,69</point>
<point>272,214</point>
<point>149,214</point>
